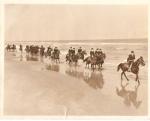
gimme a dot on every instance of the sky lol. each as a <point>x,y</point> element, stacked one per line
<point>75,22</point>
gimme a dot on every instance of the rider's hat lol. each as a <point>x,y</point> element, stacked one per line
<point>132,51</point>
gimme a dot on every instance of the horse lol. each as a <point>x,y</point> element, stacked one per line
<point>100,60</point>
<point>8,47</point>
<point>82,54</point>
<point>48,53</point>
<point>34,51</point>
<point>134,68</point>
<point>95,60</point>
<point>55,56</point>
<point>68,58</point>
<point>88,61</point>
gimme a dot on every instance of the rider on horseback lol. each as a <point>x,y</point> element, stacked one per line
<point>130,60</point>
<point>42,50</point>
<point>49,50</point>
<point>21,48</point>
<point>27,49</point>
<point>73,51</point>
<point>55,50</point>
<point>92,53</point>
<point>70,51</point>
<point>96,52</point>
<point>14,47</point>
<point>99,52</point>
<point>8,47</point>
<point>80,50</point>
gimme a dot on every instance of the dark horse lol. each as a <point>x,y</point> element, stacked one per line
<point>134,69</point>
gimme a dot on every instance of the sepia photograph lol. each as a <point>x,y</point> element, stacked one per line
<point>75,60</point>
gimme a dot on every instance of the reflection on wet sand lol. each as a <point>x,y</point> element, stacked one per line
<point>93,79</point>
<point>32,58</point>
<point>129,96</point>
<point>73,71</point>
<point>53,67</point>
<point>21,57</point>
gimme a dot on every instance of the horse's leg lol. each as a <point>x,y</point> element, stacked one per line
<point>98,67</point>
<point>92,67</point>
<point>122,75</point>
<point>137,78</point>
<point>86,65</point>
<point>101,65</point>
<point>125,76</point>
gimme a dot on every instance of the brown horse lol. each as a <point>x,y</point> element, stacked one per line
<point>95,61</point>
<point>134,69</point>
<point>55,56</point>
<point>82,54</point>
<point>72,58</point>
<point>91,60</point>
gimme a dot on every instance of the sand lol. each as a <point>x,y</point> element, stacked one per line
<point>48,89</point>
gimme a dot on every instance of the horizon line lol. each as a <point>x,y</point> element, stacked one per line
<point>78,39</point>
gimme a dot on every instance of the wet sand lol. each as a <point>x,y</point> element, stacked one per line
<point>45,88</point>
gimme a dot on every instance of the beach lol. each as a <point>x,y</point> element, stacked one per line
<point>44,88</point>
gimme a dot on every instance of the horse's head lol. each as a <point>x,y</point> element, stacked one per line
<point>141,61</point>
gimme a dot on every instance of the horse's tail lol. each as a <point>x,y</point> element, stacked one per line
<point>118,67</point>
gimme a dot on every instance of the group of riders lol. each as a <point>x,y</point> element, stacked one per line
<point>72,56</point>
<point>35,50</point>
<point>11,47</point>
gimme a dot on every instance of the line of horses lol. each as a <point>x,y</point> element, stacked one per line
<point>34,51</point>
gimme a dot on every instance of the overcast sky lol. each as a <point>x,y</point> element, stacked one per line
<point>75,22</point>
